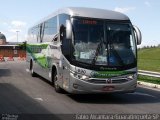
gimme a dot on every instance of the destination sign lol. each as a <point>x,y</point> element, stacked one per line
<point>91,22</point>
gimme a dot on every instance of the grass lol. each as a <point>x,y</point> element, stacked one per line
<point>149,59</point>
<point>149,79</point>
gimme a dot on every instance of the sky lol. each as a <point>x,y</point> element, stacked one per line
<point>19,15</point>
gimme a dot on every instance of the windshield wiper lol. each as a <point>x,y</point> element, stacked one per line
<point>97,52</point>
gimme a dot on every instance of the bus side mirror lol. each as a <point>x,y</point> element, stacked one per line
<point>138,35</point>
<point>68,29</point>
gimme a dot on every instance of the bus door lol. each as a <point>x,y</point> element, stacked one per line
<point>65,47</point>
<point>65,73</point>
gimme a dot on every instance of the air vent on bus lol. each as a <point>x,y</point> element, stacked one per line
<point>115,81</point>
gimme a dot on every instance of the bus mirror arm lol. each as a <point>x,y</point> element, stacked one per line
<point>138,35</point>
<point>55,38</point>
<point>68,29</point>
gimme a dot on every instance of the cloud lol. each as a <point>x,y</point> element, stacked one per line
<point>9,28</point>
<point>4,23</point>
<point>18,24</point>
<point>15,30</point>
<point>12,38</point>
<point>147,4</point>
<point>124,10</point>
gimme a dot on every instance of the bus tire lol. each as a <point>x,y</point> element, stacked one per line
<point>33,74</point>
<point>57,88</point>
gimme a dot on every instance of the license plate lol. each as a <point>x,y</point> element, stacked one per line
<point>108,88</point>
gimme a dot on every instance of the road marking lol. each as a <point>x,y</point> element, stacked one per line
<point>27,70</point>
<point>139,93</point>
<point>39,99</point>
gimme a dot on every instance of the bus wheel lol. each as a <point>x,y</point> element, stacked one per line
<point>56,86</point>
<point>33,74</point>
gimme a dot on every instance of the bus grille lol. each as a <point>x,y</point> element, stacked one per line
<point>97,81</point>
<point>117,81</point>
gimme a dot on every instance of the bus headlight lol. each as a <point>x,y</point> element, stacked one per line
<point>131,77</point>
<point>84,77</point>
<point>79,76</point>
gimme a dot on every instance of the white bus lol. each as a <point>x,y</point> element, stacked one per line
<point>85,50</point>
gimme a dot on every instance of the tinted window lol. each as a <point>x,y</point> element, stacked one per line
<point>62,19</point>
<point>49,29</point>
<point>115,48</point>
<point>34,35</point>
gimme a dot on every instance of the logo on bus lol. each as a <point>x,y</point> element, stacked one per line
<point>109,81</point>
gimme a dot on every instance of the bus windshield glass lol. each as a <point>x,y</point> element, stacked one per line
<point>98,42</point>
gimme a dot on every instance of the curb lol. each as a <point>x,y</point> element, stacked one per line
<point>148,84</point>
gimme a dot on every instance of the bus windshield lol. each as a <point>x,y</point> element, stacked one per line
<point>98,42</point>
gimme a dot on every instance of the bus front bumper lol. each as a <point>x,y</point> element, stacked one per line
<point>78,86</point>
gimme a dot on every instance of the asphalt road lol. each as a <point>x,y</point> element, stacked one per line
<point>22,94</point>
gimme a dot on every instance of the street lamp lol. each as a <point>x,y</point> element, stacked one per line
<point>17,36</point>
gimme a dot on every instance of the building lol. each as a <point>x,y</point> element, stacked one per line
<point>2,39</point>
<point>11,49</point>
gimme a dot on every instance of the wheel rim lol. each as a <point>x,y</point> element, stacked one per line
<point>55,82</point>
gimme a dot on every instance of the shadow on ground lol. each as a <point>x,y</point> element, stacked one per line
<point>5,72</point>
<point>15,102</point>
<point>141,96</point>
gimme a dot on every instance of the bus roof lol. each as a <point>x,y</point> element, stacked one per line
<point>88,13</point>
<point>93,13</point>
